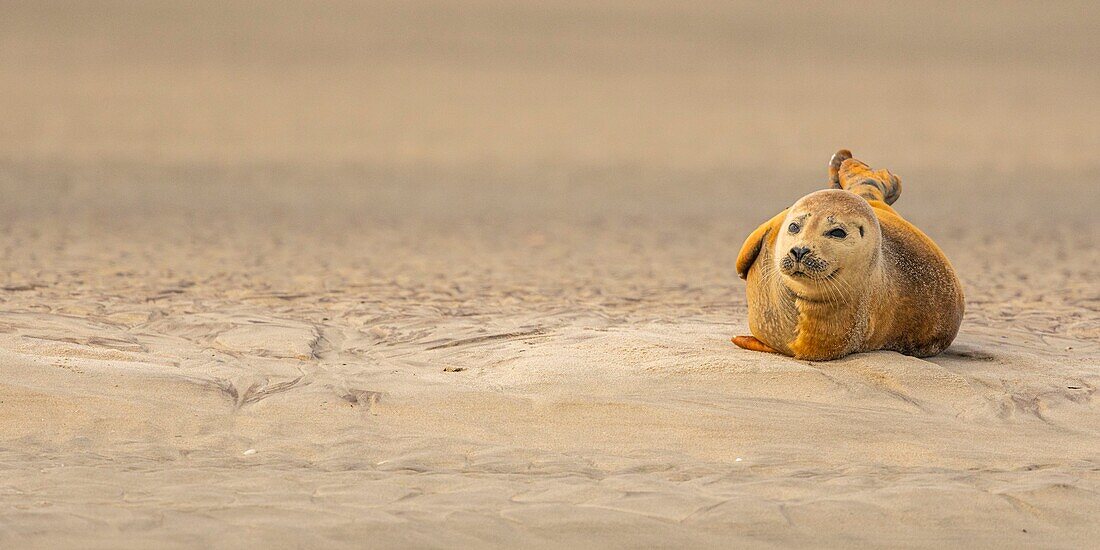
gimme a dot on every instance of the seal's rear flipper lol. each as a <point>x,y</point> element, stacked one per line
<point>848,173</point>
<point>752,344</point>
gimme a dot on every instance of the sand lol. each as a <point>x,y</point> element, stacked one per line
<point>442,275</point>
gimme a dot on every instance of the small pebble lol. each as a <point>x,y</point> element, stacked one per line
<point>249,452</point>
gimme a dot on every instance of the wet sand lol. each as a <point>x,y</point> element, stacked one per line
<point>462,275</point>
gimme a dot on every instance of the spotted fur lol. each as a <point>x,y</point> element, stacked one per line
<point>889,288</point>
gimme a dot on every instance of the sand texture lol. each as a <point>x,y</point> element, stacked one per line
<point>462,275</point>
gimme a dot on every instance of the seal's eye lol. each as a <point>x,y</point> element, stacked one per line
<point>838,233</point>
<point>793,228</point>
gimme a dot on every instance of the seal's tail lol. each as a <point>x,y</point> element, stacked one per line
<point>848,173</point>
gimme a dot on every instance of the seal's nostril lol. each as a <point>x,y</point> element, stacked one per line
<point>798,252</point>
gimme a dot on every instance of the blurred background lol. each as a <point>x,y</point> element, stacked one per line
<point>533,147</point>
<point>685,86</point>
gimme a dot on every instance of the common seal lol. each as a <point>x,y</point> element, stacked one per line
<point>841,272</point>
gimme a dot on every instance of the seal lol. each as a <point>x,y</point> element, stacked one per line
<point>842,272</point>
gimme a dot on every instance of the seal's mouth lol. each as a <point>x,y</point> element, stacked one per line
<point>812,277</point>
<point>814,283</point>
<point>809,268</point>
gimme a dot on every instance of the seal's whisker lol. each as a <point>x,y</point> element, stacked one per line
<point>839,297</point>
<point>842,288</point>
<point>829,291</point>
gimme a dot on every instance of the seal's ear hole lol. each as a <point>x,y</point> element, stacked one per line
<point>861,231</point>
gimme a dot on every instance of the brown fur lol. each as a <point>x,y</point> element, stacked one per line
<point>885,285</point>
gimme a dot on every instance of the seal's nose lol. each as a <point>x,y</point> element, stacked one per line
<point>798,252</point>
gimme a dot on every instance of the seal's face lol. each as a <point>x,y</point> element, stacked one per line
<point>825,237</point>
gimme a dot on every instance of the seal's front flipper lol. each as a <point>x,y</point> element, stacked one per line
<point>751,249</point>
<point>752,344</point>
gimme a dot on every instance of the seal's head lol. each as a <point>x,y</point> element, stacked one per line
<point>826,238</point>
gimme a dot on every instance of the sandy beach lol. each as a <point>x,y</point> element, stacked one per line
<point>431,274</point>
